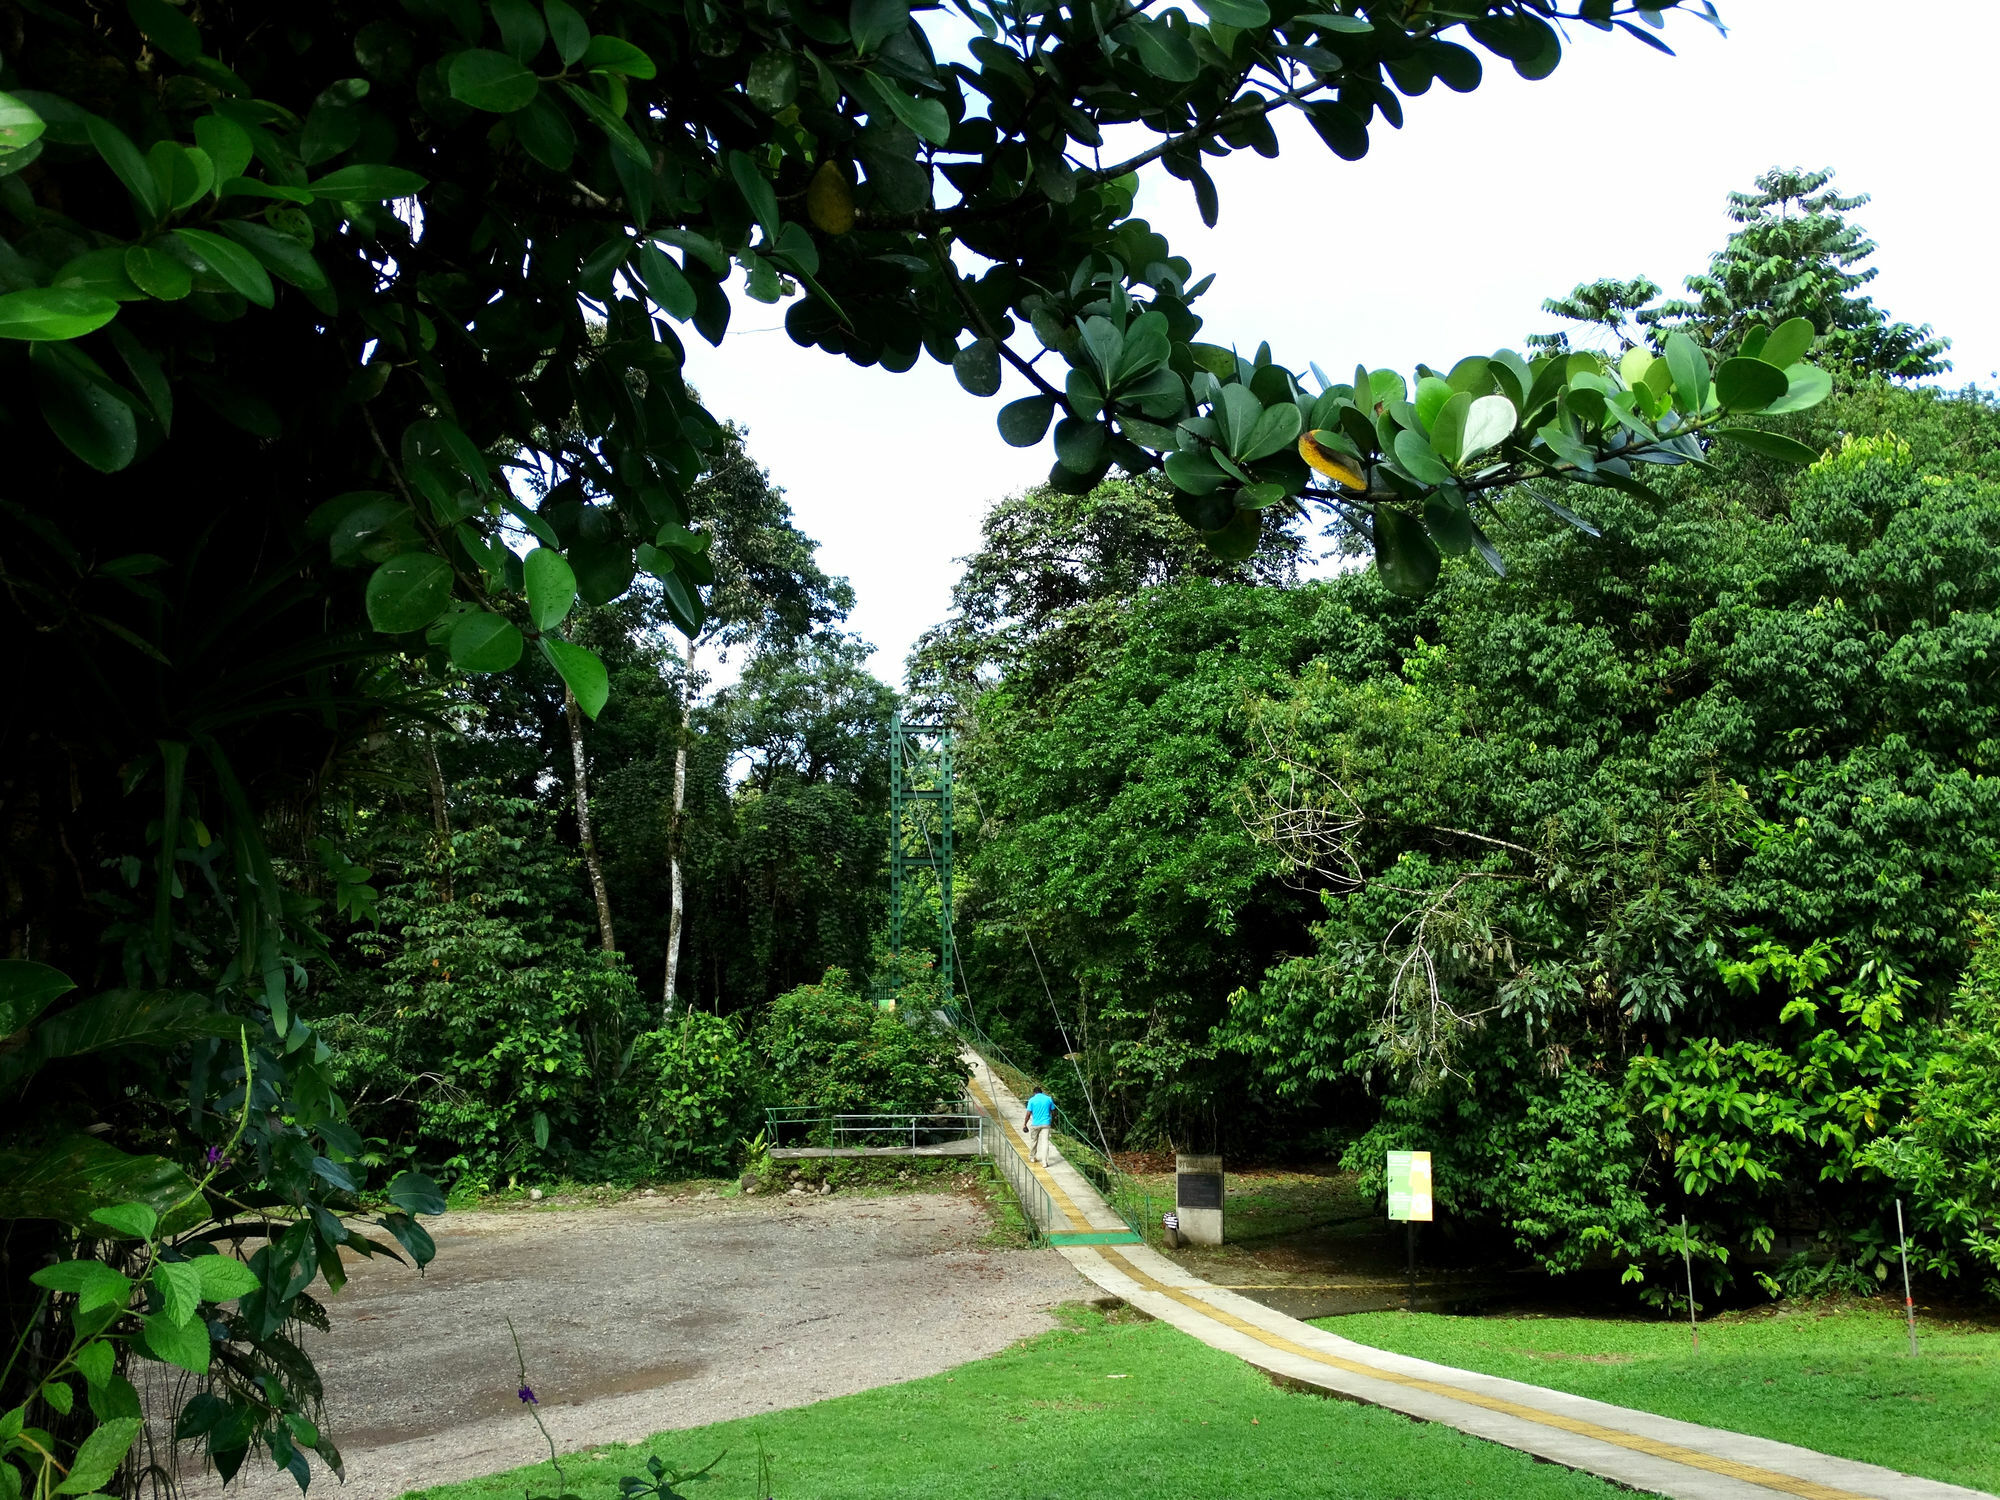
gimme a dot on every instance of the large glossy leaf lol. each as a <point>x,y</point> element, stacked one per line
<point>227,144</point>
<point>1448,429</point>
<point>1023,422</point>
<point>1405,556</point>
<point>665,283</point>
<point>26,990</point>
<point>1277,427</point>
<point>19,125</point>
<point>167,28</point>
<point>84,407</point>
<point>1789,343</point>
<point>414,1193</point>
<point>1237,540</point>
<point>1689,367</point>
<point>1449,522</point>
<point>1748,385</point>
<point>279,253</point>
<point>1805,387</point>
<point>408,592</point>
<point>568,29</point>
<point>611,54</point>
<point>368,184</point>
<point>1490,420</point>
<point>119,154</point>
<point>977,367</point>
<point>1163,52</point>
<point>483,642</point>
<point>1418,461</point>
<point>872,22</point>
<point>155,1020</point>
<point>582,670</point>
<point>1242,14</point>
<point>1079,445</point>
<point>491,81</point>
<point>159,275</point>
<point>230,261</point>
<point>53,313</point>
<point>1769,444</point>
<point>612,124</point>
<point>72,1178</point>
<point>551,586</point>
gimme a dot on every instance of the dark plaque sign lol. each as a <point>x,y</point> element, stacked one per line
<point>1199,1189</point>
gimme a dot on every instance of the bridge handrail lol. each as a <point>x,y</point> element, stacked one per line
<point>844,1126</point>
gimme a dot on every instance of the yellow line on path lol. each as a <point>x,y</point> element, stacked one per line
<point>1062,1200</point>
<point>1748,1473</point>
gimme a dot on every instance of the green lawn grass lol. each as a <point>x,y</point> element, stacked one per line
<point>1105,1408</point>
<point>1838,1379</point>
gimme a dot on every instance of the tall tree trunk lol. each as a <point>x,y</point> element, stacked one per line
<point>674,837</point>
<point>438,817</point>
<point>590,860</point>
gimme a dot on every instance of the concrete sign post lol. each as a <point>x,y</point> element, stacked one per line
<point>1410,1201</point>
<point>1198,1194</point>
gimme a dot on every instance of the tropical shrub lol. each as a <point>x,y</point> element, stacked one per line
<point>691,1089</point>
<point>1945,1153</point>
<point>481,1030</point>
<point>828,1047</point>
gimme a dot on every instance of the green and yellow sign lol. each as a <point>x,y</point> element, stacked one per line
<point>1410,1185</point>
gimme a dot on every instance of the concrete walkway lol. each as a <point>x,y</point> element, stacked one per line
<point>1634,1448</point>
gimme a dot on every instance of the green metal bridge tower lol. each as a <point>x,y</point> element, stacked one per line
<point>919,780</point>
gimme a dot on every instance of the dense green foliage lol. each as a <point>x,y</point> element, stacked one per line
<point>1635,883</point>
<point>478,1027</point>
<point>830,1048</point>
<point>1632,884</point>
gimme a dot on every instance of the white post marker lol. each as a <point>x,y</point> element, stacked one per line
<point>1694,1328</point>
<point>1410,1200</point>
<point>1909,1307</point>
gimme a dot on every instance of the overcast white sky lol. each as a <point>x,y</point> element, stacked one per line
<point>1442,242</point>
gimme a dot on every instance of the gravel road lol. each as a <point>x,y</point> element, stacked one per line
<point>648,1315</point>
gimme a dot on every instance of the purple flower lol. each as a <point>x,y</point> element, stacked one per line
<point>215,1157</point>
<point>528,1396</point>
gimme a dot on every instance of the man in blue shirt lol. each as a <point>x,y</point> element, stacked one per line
<point>1041,1111</point>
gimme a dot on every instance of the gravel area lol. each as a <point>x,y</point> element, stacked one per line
<point>648,1315</point>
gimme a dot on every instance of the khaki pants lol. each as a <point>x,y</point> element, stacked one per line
<point>1038,1143</point>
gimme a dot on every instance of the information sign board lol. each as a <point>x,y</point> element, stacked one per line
<point>1410,1186</point>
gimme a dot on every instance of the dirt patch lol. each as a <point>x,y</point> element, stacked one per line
<point>648,1315</point>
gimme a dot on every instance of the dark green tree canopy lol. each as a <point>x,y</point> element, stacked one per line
<point>469,237</point>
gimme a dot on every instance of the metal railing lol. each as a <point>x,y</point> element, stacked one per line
<point>1128,1199</point>
<point>1037,1207</point>
<point>799,1126</point>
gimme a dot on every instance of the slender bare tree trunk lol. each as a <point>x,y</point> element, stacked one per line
<point>674,837</point>
<point>590,860</point>
<point>438,816</point>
